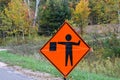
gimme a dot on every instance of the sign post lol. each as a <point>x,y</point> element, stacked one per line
<point>64,78</point>
<point>65,49</point>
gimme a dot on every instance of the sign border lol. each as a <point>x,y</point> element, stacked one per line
<point>50,40</point>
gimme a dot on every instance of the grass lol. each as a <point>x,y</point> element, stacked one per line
<point>25,62</point>
<point>44,66</point>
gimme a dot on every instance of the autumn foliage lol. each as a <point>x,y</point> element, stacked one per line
<point>19,15</point>
<point>81,14</point>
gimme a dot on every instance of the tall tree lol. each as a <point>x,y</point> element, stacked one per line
<point>104,11</point>
<point>17,12</point>
<point>81,13</point>
<point>36,11</point>
<point>27,3</point>
<point>52,15</point>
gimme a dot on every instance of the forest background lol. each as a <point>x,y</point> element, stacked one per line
<point>27,24</point>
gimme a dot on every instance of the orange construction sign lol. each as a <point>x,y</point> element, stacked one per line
<point>65,49</point>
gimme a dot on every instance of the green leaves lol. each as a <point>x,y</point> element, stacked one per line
<point>104,11</point>
<point>52,15</point>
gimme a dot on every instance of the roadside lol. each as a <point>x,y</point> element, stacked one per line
<point>42,68</point>
<point>3,49</point>
<point>27,72</point>
<point>9,73</point>
<point>2,64</point>
<point>34,75</point>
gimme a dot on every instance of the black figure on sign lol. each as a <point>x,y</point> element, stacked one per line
<point>69,45</point>
<point>52,46</point>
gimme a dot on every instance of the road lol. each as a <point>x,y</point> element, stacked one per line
<point>10,74</point>
<point>7,74</point>
<point>18,73</point>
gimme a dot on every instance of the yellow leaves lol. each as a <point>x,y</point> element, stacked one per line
<point>82,10</point>
<point>82,6</point>
<point>17,11</point>
<point>81,13</point>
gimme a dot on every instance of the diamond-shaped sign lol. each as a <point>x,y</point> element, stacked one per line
<point>65,49</point>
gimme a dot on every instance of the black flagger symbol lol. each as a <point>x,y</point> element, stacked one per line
<point>68,49</point>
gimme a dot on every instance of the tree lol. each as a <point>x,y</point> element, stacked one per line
<point>104,11</point>
<point>17,12</point>
<point>3,4</point>
<point>3,19</point>
<point>81,13</point>
<point>27,3</point>
<point>36,11</point>
<point>5,25</point>
<point>52,15</point>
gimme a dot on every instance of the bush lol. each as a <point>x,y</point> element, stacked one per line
<point>112,47</point>
<point>101,66</point>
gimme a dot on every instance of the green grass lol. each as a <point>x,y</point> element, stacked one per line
<point>26,62</point>
<point>44,66</point>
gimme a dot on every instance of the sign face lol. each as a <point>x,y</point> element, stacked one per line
<point>65,49</point>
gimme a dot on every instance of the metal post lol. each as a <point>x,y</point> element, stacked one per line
<point>64,78</point>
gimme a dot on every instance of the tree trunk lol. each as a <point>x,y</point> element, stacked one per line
<point>28,4</point>
<point>23,36</point>
<point>81,29</point>
<point>29,9</point>
<point>36,11</point>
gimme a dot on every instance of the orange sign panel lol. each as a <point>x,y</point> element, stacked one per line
<point>65,49</point>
